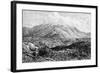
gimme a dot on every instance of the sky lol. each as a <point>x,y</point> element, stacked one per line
<point>81,21</point>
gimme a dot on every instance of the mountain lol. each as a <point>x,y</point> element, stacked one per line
<point>25,31</point>
<point>54,35</point>
<point>48,30</point>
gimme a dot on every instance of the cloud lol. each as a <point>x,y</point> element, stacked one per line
<point>80,21</point>
<point>81,24</point>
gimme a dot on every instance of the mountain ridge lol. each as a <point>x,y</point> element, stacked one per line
<point>48,29</point>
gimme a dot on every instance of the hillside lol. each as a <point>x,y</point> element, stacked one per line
<point>54,35</point>
<point>50,30</point>
<point>57,43</point>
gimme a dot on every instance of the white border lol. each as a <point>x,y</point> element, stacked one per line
<point>21,65</point>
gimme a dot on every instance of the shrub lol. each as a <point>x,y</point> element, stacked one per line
<point>44,51</point>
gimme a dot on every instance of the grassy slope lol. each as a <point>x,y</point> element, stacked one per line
<point>77,51</point>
